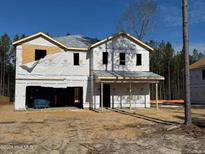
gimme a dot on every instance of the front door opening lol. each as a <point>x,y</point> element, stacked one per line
<point>56,97</point>
<point>106,95</point>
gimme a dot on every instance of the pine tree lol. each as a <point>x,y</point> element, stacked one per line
<point>188,120</point>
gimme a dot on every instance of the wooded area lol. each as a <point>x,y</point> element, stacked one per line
<point>7,65</point>
<point>170,64</point>
<point>164,61</point>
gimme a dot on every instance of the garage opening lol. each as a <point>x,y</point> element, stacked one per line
<point>43,97</point>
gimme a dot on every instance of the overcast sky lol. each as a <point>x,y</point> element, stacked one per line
<point>98,18</point>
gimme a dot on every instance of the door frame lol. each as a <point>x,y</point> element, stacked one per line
<point>106,93</point>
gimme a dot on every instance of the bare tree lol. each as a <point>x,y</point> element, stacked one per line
<point>138,18</point>
<point>186,63</point>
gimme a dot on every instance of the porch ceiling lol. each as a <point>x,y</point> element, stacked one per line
<point>134,76</point>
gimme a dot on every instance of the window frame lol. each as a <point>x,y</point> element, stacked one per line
<point>105,58</point>
<point>138,62</point>
<point>76,63</point>
<point>203,74</point>
<point>122,60</point>
<point>40,50</point>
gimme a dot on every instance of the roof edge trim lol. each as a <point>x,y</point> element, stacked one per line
<point>120,34</point>
<point>28,38</point>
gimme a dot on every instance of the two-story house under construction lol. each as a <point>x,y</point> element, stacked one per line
<point>82,72</point>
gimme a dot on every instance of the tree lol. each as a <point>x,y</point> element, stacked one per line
<point>196,55</point>
<point>188,120</point>
<point>168,52</point>
<point>4,48</point>
<point>7,65</point>
<point>138,18</point>
<point>170,64</point>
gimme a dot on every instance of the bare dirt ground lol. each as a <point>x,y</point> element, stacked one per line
<point>116,131</point>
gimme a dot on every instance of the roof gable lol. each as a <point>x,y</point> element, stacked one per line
<point>198,64</point>
<point>40,41</point>
<point>40,34</point>
<point>140,43</point>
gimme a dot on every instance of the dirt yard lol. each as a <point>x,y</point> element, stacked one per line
<point>116,131</point>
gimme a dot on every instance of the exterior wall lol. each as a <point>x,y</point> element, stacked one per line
<point>20,96</point>
<point>65,64</point>
<point>113,48</point>
<point>18,59</point>
<point>28,52</point>
<point>60,65</point>
<point>197,86</point>
<point>119,95</point>
<point>28,48</point>
<point>75,76</point>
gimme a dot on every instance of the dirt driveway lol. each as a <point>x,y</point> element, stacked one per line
<point>84,131</point>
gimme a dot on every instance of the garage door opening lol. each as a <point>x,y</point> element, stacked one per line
<point>54,97</point>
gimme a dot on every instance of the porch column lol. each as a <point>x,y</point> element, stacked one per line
<point>157,105</point>
<point>101,86</point>
<point>130,91</point>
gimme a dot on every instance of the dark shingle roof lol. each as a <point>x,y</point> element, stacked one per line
<point>76,41</point>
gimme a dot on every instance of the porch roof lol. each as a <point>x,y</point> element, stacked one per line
<point>127,75</point>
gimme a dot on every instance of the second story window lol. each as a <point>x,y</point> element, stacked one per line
<point>39,54</point>
<point>203,74</point>
<point>105,58</point>
<point>122,58</point>
<point>75,58</point>
<point>138,59</point>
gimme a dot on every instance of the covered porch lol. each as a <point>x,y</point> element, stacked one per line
<point>124,89</point>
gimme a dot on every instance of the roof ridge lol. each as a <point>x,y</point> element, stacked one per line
<point>69,35</point>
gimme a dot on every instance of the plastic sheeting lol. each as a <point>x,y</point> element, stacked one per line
<point>50,66</point>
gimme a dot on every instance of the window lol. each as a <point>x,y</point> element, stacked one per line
<point>40,54</point>
<point>76,58</point>
<point>139,59</point>
<point>122,58</point>
<point>203,74</point>
<point>105,57</point>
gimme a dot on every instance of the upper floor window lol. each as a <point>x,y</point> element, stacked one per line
<point>39,54</point>
<point>105,57</point>
<point>203,74</point>
<point>138,59</point>
<point>122,58</point>
<point>75,58</point>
